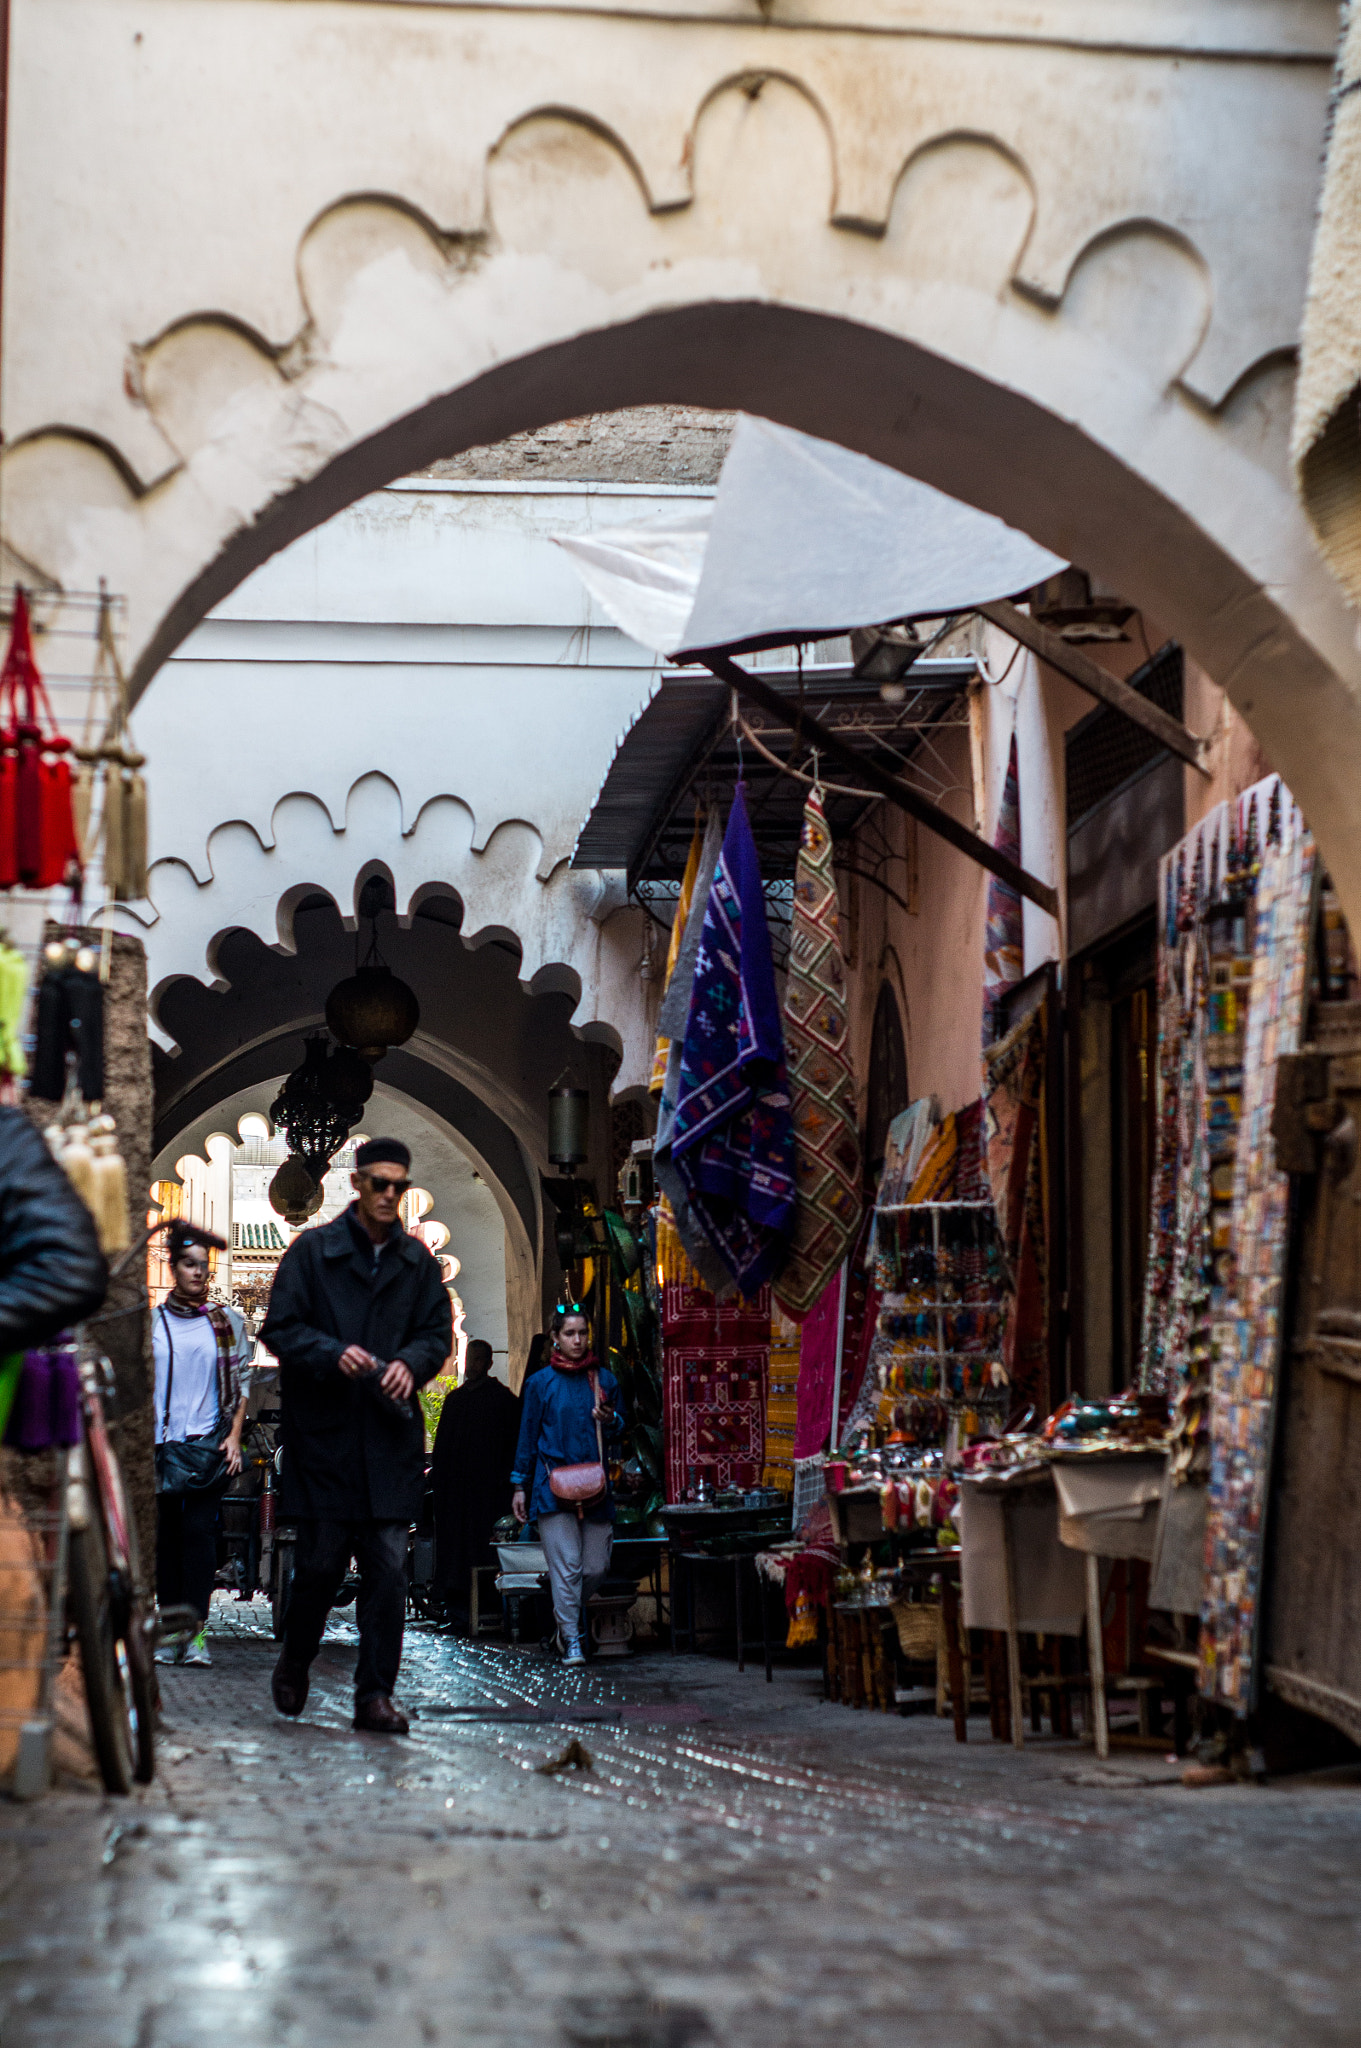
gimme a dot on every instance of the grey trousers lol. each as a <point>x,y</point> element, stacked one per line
<point>578,1556</point>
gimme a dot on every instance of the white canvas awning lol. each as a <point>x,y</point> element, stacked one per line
<point>802,541</point>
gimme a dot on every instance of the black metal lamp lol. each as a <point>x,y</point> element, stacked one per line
<point>568,1116</point>
<point>372,1009</point>
<point>293,1193</point>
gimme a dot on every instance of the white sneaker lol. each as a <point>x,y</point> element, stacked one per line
<point>170,1653</point>
<point>574,1654</point>
<point>196,1652</point>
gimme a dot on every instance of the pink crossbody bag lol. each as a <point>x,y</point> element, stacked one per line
<point>577,1486</point>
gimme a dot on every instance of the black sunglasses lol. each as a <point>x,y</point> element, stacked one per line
<point>380,1183</point>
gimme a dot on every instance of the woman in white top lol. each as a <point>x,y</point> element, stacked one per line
<point>202,1352</point>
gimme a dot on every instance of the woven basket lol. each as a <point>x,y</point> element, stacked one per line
<point>919,1628</point>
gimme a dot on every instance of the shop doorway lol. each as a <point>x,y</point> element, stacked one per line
<point>888,1095</point>
<point>1114,1024</point>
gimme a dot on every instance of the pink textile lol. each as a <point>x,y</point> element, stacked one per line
<point>817,1370</point>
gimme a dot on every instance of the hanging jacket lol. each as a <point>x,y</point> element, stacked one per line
<point>52,1272</point>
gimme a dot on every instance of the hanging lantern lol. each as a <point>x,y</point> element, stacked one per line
<point>320,1101</point>
<point>371,1009</point>
<point>293,1193</point>
<point>568,1114</point>
<point>349,1078</point>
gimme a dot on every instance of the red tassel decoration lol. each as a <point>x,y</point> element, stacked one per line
<point>35,792</point>
<point>58,826</point>
<point>9,844</point>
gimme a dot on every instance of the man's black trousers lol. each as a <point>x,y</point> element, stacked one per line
<point>321,1562</point>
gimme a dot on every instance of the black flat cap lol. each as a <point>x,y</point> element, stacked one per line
<point>373,1150</point>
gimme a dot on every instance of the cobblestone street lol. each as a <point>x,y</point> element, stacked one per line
<point>740,1863</point>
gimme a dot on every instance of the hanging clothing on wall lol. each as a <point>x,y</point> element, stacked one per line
<point>1004,943</point>
<point>733,1142</point>
<point>821,1078</point>
<point>1247,1353</point>
<point>1235,900</point>
<point>1013,1126</point>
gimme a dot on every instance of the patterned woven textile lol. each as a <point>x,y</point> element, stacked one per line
<point>733,1144</point>
<point>678,924</point>
<point>782,1403</point>
<point>821,1079</point>
<point>715,1358</point>
<point>1004,945</point>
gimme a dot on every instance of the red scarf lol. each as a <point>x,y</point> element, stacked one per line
<point>590,1363</point>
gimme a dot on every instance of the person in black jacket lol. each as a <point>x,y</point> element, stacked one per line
<point>52,1272</point>
<point>358,1319</point>
<point>479,1427</point>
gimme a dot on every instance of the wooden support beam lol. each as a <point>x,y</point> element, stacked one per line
<point>757,691</point>
<point>1079,668</point>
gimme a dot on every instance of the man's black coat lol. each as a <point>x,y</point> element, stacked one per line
<point>348,1455</point>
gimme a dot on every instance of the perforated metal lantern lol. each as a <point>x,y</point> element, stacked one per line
<point>568,1118</point>
<point>293,1193</point>
<point>372,1010</point>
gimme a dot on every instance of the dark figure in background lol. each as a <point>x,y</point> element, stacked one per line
<point>358,1319</point>
<point>479,1426</point>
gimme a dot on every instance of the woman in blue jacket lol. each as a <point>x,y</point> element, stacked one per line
<point>558,1427</point>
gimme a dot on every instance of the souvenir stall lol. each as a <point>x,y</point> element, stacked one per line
<point>73,1057</point>
<point>1237,908</point>
<point>930,1343</point>
<point>1151,1506</point>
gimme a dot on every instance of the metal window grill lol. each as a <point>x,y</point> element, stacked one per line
<point>1104,751</point>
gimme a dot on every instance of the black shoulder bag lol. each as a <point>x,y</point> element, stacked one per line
<point>198,1464</point>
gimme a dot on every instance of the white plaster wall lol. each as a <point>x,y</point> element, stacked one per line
<point>424,682</point>
<point>431,633</point>
<point>262,256</point>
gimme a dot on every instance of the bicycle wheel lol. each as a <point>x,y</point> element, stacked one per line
<point>284,1551</point>
<point>141,1673</point>
<point>103,1659</point>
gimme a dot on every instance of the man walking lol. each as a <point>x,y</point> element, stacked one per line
<point>479,1427</point>
<point>358,1319</point>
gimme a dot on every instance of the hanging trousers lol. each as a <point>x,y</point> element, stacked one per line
<point>578,1554</point>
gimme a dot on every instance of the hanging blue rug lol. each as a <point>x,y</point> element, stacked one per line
<point>733,1142</point>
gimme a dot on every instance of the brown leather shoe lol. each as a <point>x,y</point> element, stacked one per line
<point>289,1687</point>
<point>378,1716</point>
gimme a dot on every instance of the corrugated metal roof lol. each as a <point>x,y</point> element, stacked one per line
<point>681,752</point>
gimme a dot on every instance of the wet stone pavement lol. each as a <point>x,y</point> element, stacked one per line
<point>740,1864</point>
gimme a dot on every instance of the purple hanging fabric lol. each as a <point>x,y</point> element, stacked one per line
<point>733,1144</point>
<point>30,1421</point>
<point>65,1397</point>
<point>817,1370</point>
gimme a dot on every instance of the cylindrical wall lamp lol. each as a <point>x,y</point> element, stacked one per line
<point>568,1115</point>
